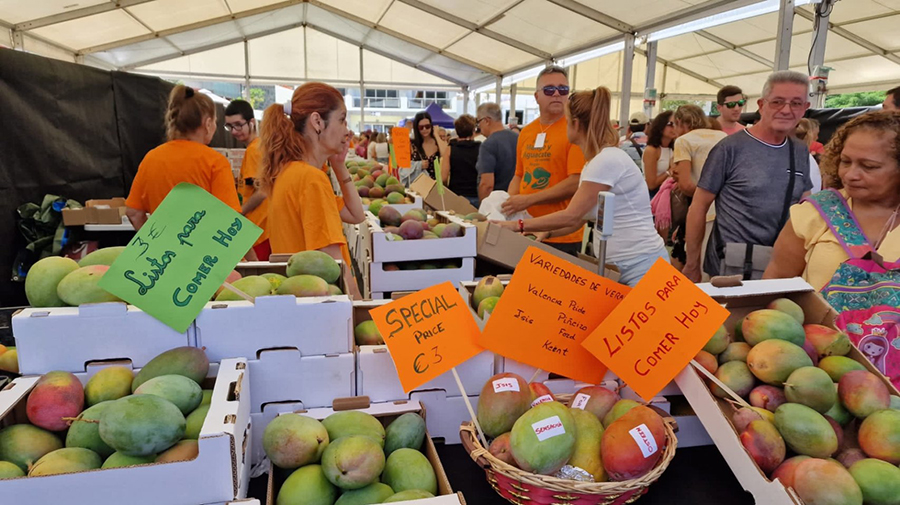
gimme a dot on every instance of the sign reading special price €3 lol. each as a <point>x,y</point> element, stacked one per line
<point>656,330</point>
<point>180,257</point>
<point>427,333</point>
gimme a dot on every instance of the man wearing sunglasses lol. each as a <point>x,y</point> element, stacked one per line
<point>497,156</point>
<point>753,176</point>
<point>730,103</point>
<point>241,123</point>
<point>548,166</point>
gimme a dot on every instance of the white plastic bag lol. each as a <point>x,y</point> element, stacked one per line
<point>490,208</point>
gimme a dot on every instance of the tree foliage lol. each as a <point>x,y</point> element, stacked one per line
<point>862,99</point>
<point>257,98</point>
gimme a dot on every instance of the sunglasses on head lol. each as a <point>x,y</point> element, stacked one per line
<point>739,103</point>
<point>550,90</point>
<point>424,126</point>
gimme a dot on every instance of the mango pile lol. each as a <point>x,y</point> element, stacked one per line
<point>366,333</point>
<point>9,359</point>
<point>117,419</point>
<point>414,225</point>
<point>819,421</point>
<point>375,185</point>
<point>487,294</point>
<point>597,437</point>
<point>59,282</point>
<point>350,458</point>
<point>309,273</point>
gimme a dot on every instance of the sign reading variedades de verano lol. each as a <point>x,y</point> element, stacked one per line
<point>180,257</point>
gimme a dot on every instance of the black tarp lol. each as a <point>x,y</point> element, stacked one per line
<point>68,130</point>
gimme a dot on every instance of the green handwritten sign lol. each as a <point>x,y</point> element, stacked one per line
<point>181,256</point>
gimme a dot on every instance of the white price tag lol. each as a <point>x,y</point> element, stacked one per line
<point>501,385</point>
<point>581,401</point>
<point>541,399</point>
<point>539,140</point>
<point>641,434</point>
<point>548,428</point>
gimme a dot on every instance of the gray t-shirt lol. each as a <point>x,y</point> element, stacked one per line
<point>498,156</point>
<point>749,178</point>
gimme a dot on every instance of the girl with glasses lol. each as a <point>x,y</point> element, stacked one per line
<point>427,147</point>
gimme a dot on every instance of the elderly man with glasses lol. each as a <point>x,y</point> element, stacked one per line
<point>548,166</point>
<point>730,103</point>
<point>497,155</point>
<point>754,176</point>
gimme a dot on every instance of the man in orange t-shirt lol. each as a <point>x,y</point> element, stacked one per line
<point>240,121</point>
<point>548,166</point>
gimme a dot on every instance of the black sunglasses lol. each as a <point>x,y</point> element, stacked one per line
<point>550,90</point>
<point>739,103</point>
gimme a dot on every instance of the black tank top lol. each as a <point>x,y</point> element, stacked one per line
<point>463,174</point>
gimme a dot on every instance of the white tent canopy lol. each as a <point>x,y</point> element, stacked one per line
<point>437,44</point>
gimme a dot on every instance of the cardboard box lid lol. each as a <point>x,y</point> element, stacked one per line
<point>755,288</point>
<point>109,202</point>
<point>450,201</point>
<point>506,247</point>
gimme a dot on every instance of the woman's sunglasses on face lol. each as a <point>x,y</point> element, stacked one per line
<point>423,127</point>
<point>550,90</point>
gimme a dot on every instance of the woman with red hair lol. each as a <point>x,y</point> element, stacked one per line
<point>298,138</point>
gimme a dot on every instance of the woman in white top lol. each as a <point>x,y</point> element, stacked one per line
<point>658,153</point>
<point>634,246</point>
<point>378,150</point>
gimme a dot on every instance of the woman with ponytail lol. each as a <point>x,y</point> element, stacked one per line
<point>635,246</point>
<point>298,138</point>
<point>190,125</point>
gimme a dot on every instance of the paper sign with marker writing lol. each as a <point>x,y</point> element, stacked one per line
<point>656,331</point>
<point>548,308</point>
<point>402,147</point>
<point>181,255</point>
<point>428,333</point>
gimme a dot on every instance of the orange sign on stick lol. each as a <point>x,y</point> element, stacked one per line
<point>402,147</point>
<point>427,333</point>
<point>549,307</point>
<point>656,331</point>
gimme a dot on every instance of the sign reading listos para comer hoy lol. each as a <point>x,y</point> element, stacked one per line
<point>180,257</point>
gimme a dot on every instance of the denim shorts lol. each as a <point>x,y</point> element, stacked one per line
<point>632,270</point>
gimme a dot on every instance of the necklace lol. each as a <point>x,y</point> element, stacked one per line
<point>888,226</point>
<point>544,130</point>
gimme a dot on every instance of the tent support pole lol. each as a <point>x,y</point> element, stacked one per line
<point>627,68</point>
<point>246,92</point>
<point>362,93</point>
<point>819,37</point>
<point>650,82</point>
<point>465,92</point>
<point>512,103</point>
<point>785,31</point>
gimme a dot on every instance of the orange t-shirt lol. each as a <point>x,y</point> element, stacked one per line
<point>544,167</point>
<point>250,167</point>
<point>180,161</point>
<point>303,212</point>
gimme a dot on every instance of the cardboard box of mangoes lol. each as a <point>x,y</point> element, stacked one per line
<point>215,470</point>
<point>405,454</point>
<point>809,395</point>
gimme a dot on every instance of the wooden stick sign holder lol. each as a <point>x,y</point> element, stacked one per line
<point>462,390</point>
<point>245,296</point>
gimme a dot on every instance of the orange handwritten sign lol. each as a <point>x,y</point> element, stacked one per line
<point>549,307</point>
<point>402,148</point>
<point>427,333</point>
<point>656,331</point>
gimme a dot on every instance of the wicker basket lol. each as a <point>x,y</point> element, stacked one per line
<point>521,487</point>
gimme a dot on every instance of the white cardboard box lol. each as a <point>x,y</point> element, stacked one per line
<point>218,474</point>
<point>384,250</point>
<point>313,326</point>
<point>68,338</point>
<point>386,412</point>
<point>403,208</point>
<point>281,375</point>
<point>377,377</point>
<point>711,411</point>
<point>385,281</point>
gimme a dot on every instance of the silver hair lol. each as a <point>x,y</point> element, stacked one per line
<point>491,110</point>
<point>552,69</point>
<point>784,76</point>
